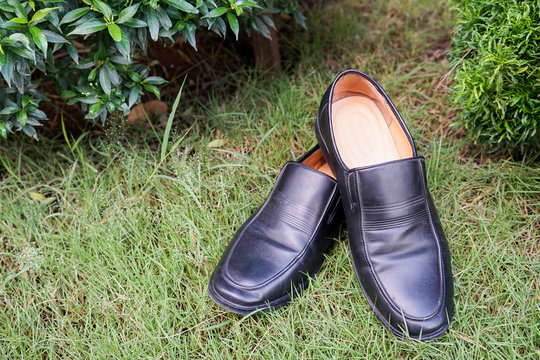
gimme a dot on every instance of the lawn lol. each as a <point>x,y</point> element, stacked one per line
<point>106,251</point>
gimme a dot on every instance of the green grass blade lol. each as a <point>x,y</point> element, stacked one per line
<point>170,121</point>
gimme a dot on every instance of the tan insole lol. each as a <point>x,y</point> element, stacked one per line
<point>361,133</point>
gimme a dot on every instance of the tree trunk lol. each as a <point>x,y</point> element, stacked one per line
<point>267,57</point>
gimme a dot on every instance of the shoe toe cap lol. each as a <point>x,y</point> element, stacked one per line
<point>239,298</point>
<point>424,329</point>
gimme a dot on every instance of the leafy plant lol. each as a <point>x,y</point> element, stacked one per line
<point>496,52</point>
<point>91,51</point>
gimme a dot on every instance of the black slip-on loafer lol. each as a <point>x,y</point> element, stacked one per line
<point>398,248</point>
<point>272,255</point>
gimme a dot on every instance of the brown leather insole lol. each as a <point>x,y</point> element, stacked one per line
<point>324,168</point>
<point>361,132</point>
<point>316,161</point>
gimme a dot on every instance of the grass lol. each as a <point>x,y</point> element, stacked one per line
<point>100,259</point>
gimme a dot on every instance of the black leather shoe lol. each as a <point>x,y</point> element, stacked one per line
<point>284,241</point>
<point>397,244</point>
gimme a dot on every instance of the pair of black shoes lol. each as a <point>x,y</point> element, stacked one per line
<point>366,167</point>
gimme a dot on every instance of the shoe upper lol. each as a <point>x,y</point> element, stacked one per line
<point>272,254</point>
<point>397,243</point>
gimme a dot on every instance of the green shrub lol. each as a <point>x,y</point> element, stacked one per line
<point>91,50</point>
<point>496,51</point>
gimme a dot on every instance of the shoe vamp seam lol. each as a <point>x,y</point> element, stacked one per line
<point>298,207</point>
<point>290,217</point>
<point>376,209</point>
<point>397,221</point>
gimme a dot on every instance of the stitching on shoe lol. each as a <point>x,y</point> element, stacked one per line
<point>397,221</point>
<point>442,279</point>
<point>289,218</point>
<point>352,187</point>
<point>375,209</point>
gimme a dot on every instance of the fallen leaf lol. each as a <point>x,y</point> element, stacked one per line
<point>216,143</point>
<point>150,109</point>
<point>37,196</point>
<point>42,199</point>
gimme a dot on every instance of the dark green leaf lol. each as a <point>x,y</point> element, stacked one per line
<point>164,18</point>
<point>25,101</point>
<point>153,23</point>
<point>134,76</point>
<point>68,94</point>
<point>38,114</point>
<point>30,131</point>
<point>54,38</point>
<point>260,27</point>
<point>74,15</point>
<point>233,23</point>
<point>89,27</point>
<point>134,95</point>
<point>8,68</point>
<point>56,47</point>
<point>53,18</point>
<point>21,119</point>
<point>189,34</point>
<point>268,20</point>
<point>110,106</point>
<point>32,122</point>
<point>93,111</point>
<point>246,3</point>
<point>5,7</point>
<point>24,52</point>
<point>73,53</point>
<point>103,8</point>
<point>120,59</point>
<point>182,5</point>
<point>216,12</point>
<point>113,75</point>
<point>155,80</point>
<point>11,26</point>
<point>135,23</point>
<point>20,38</point>
<point>219,27</point>
<point>92,15</point>
<point>105,81</point>
<point>168,34</point>
<point>180,25</point>
<point>40,14</point>
<point>124,46</point>
<point>92,74</point>
<point>153,89</point>
<point>3,130</point>
<point>127,13</point>
<point>39,39</point>
<point>300,19</point>
<point>18,8</point>
<point>9,110</point>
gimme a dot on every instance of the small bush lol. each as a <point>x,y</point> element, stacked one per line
<point>496,51</point>
<point>91,50</point>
